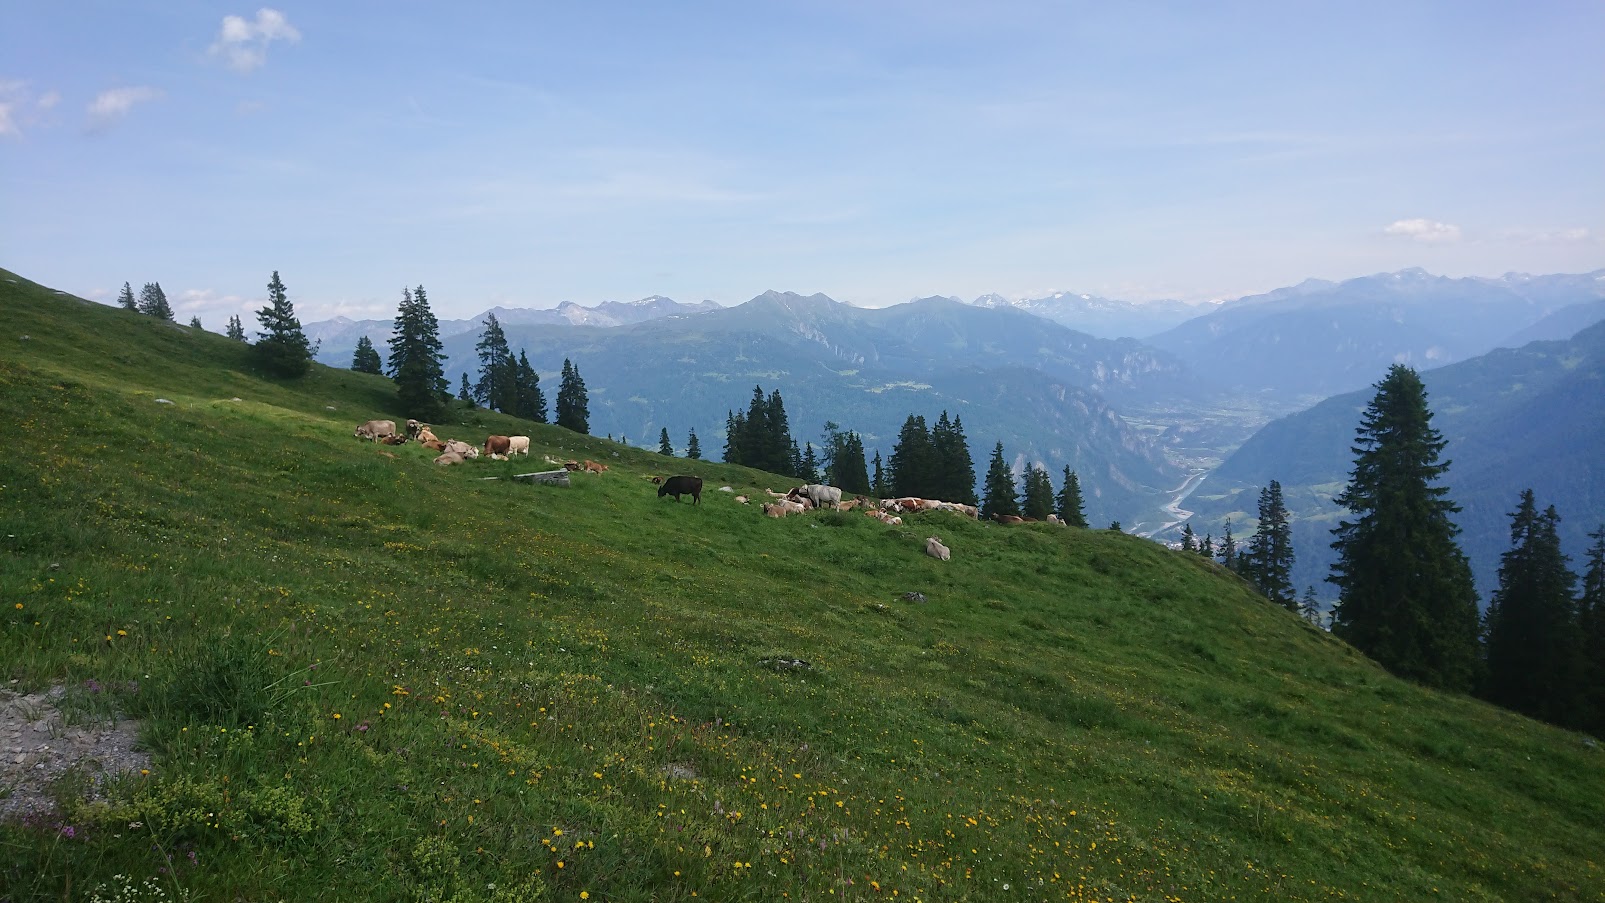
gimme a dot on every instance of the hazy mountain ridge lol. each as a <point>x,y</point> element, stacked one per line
<point>1319,339</point>
<point>1107,318</point>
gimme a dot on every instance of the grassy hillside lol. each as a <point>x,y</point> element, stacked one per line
<point>365,677</point>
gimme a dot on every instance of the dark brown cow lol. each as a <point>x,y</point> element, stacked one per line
<point>682,485</point>
<point>497,446</point>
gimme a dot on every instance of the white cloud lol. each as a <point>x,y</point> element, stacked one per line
<point>1425,230</point>
<point>1554,236</point>
<point>48,99</point>
<point>243,44</point>
<point>13,94</point>
<point>109,106</point>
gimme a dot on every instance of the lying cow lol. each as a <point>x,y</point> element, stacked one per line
<point>935,549</point>
<point>426,435</point>
<point>462,448</point>
<point>433,444</point>
<point>592,467</point>
<point>781,508</point>
<point>682,485</point>
<point>496,447</point>
<point>375,430</point>
<point>449,458</point>
<point>396,439</point>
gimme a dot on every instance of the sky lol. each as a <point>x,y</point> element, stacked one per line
<point>525,154</point>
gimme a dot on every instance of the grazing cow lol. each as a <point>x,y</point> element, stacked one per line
<point>592,467</point>
<point>433,444</point>
<point>935,549</point>
<point>449,458</point>
<point>374,430</point>
<point>496,447</point>
<point>517,445</point>
<point>819,494</point>
<point>682,485</point>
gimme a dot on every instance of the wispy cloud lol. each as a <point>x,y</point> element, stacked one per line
<point>243,44</point>
<point>1553,236</point>
<point>19,108</point>
<point>110,106</point>
<point>1425,230</point>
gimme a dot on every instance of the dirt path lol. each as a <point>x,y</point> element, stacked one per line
<point>38,745</point>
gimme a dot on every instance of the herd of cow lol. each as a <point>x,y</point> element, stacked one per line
<point>796,501</point>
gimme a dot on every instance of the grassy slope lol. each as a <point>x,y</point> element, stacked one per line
<point>372,678</point>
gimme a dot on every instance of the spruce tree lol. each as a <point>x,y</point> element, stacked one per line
<point>465,393</point>
<point>735,431</point>
<point>913,463</point>
<point>1000,497</point>
<point>1310,607</point>
<point>877,483</point>
<point>953,468</point>
<point>153,302</point>
<point>573,403</point>
<point>1269,559</point>
<point>1036,501</point>
<point>195,323</point>
<point>236,329</point>
<point>416,362</point>
<point>281,347</point>
<point>1228,548</point>
<point>776,438</point>
<point>1533,649</point>
<point>125,299</point>
<point>1591,630</point>
<point>497,386</point>
<point>1188,542</point>
<point>1206,547</point>
<point>1069,501</point>
<point>1406,597</point>
<point>366,358</point>
<point>794,462</point>
<point>810,464</point>
<point>693,448</point>
<point>844,461</point>
<point>665,447</point>
<point>527,383</point>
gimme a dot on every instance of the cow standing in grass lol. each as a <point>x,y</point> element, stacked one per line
<point>682,485</point>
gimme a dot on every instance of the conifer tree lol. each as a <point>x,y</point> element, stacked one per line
<point>1000,497</point>
<point>877,483</point>
<point>1591,630</point>
<point>1036,500</point>
<point>465,393</point>
<point>843,456</point>
<point>497,386</point>
<point>527,386</point>
<point>810,464</point>
<point>776,436</point>
<point>573,404</point>
<point>125,299</point>
<point>913,463</point>
<point>1310,607</point>
<point>954,469</point>
<point>1206,548</point>
<point>1188,542</point>
<point>236,329</point>
<point>153,302</point>
<point>1069,501</point>
<point>1228,548</point>
<point>281,347</point>
<point>366,358</point>
<point>1269,559</point>
<point>693,448</point>
<point>1406,597</point>
<point>794,462</point>
<point>665,447</point>
<point>195,323</point>
<point>416,362</point>
<point>1533,649</point>
<point>735,429</point>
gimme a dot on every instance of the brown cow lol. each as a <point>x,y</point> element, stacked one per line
<point>433,444</point>
<point>496,447</point>
<point>1008,519</point>
<point>593,467</point>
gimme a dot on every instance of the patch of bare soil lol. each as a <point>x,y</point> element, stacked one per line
<point>38,745</point>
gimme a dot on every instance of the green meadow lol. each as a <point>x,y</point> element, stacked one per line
<point>366,677</point>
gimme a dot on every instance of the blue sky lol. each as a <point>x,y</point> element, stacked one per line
<point>530,153</point>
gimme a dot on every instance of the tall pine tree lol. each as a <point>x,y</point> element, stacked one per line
<point>844,460</point>
<point>1069,502</point>
<point>1036,500</point>
<point>913,463</point>
<point>1533,649</point>
<point>236,329</point>
<point>1000,497</point>
<point>527,387</point>
<point>153,302</point>
<point>1228,549</point>
<point>416,362</point>
<point>497,386</point>
<point>954,477</point>
<point>877,482</point>
<point>1268,562</point>
<point>1406,597</point>
<point>465,393</point>
<point>573,403</point>
<point>366,358</point>
<point>125,299</point>
<point>693,448</point>
<point>281,347</point>
<point>665,447</point>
